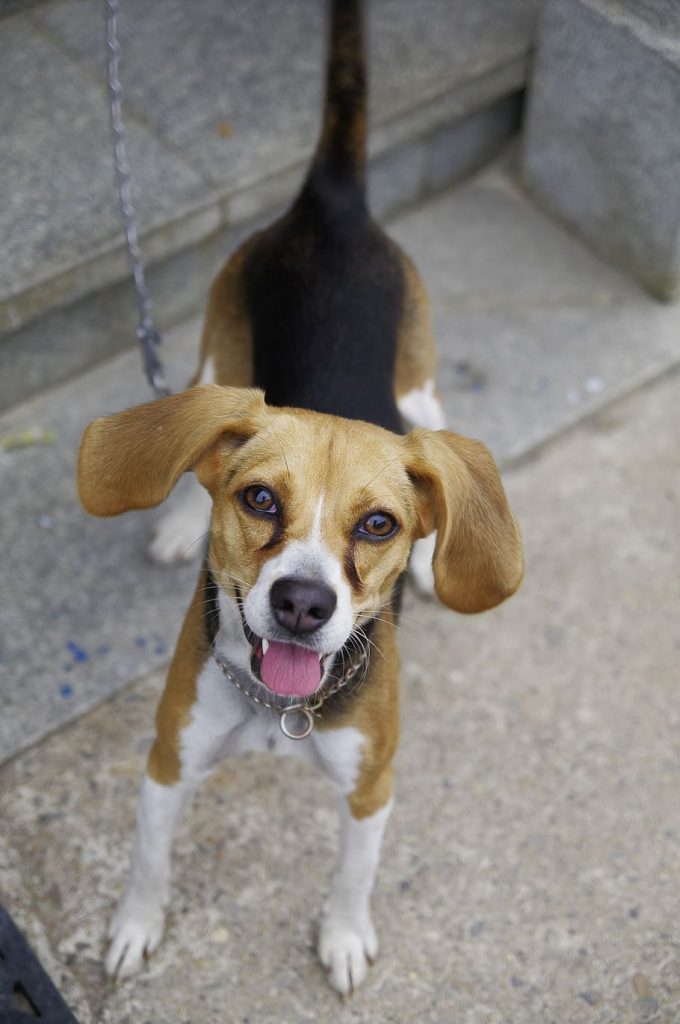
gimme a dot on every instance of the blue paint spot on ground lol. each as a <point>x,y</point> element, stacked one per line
<point>66,691</point>
<point>140,641</point>
<point>159,648</point>
<point>79,653</point>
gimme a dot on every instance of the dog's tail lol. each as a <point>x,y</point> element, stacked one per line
<point>341,151</point>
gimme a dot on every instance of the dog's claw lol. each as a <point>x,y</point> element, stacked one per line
<point>135,934</point>
<point>347,949</point>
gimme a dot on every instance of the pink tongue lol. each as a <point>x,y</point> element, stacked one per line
<point>290,670</point>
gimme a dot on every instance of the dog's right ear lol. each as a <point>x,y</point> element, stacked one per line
<point>478,558</point>
<point>134,458</point>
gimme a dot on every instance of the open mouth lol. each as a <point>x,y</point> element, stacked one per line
<point>285,668</point>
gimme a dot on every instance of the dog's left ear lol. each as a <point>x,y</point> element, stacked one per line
<point>478,558</point>
<point>134,458</point>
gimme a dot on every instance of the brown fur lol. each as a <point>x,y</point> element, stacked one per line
<point>300,455</point>
<point>374,712</point>
<point>179,695</point>
<point>478,560</point>
<point>427,480</point>
<point>227,334</point>
<point>416,361</point>
<point>135,458</point>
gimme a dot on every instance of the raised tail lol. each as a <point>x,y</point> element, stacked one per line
<point>341,151</point>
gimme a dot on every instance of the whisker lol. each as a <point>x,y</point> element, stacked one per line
<point>374,646</point>
<point>197,541</point>
<point>402,615</point>
<point>381,470</point>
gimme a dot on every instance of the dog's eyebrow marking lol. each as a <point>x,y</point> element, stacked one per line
<point>276,537</point>
<point>351,567</point>
<point>283,456</point>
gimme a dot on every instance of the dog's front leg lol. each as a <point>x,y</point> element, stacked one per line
<point>137,926</point>
<point>347,939</point>
<point>180,533</point>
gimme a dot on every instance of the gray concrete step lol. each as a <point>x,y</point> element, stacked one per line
<point>222,111</point>
<point>534,334</point>
<point>602,145</point>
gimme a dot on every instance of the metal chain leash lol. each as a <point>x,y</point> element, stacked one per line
<point>149,338</point>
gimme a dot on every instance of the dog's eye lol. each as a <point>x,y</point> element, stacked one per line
<point>259,499</point>
<point>377,526</point>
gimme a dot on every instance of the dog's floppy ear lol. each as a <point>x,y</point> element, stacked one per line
<point>134,458</point>
<point>478,555</point>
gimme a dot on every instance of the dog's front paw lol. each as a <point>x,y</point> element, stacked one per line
<point>347,948</point>
<point>136,930</point>
<point>178,537</point>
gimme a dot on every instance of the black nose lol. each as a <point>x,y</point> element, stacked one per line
<point>301,606</point>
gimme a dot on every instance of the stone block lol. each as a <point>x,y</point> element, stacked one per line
<point>268,85</point>
<point>459,149</point>
<point>60,214</point>
<point>396,178</point>
<point>602,146</point>
<point>67,340</point>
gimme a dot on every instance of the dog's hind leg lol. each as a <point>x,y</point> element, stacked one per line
<point>226,358</point>
<point>417,398</point>
<point>416,358</point>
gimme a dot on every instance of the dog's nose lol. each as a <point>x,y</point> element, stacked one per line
<point>301,606</point>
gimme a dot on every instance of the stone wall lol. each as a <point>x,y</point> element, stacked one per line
<point>602,141</point>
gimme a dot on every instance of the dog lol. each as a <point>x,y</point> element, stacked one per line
<point>319,338</point>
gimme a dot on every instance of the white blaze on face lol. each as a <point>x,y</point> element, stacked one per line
<point>315,535</point>
<point>307,559</point>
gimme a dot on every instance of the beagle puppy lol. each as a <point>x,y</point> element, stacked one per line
<point>319,337</point>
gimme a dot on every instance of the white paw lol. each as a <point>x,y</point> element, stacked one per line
<point>181,534</point>
<point>136,930</point>
<point>175,539</point>
<point>420,565</point>
<point>347,947</point>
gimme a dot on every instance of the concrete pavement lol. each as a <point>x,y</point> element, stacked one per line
<point>531,871</point>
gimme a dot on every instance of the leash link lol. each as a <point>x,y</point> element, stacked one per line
<point>148,337</point>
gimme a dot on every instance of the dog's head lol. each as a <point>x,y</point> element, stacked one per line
<point>313,515</point>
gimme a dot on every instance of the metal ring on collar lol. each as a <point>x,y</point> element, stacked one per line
<point>298,712</point>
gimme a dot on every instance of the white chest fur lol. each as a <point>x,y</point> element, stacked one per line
<point>225,721</point>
